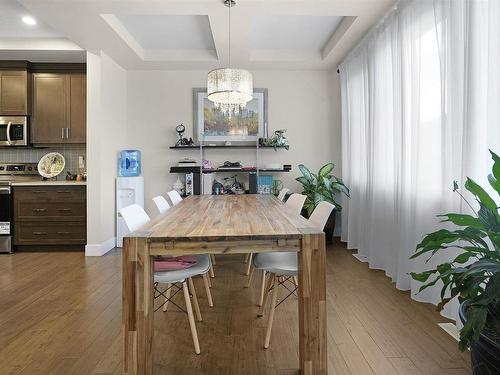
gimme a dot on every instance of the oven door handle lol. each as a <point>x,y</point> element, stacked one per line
<point>9,141</point>
<point>4,190</point>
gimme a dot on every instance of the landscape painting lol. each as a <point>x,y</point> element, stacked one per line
<point>211,125</point>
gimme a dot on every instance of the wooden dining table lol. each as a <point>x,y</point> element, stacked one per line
<point>230,224</point>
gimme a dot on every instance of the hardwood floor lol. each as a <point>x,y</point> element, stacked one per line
<point>60,313</point>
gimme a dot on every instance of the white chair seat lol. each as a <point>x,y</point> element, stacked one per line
<point>279,263</point>
<point>201,267</point>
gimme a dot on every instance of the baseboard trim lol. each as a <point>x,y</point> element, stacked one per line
<point>451,329</point>
<point>97,250</point>
<point>361,258</point>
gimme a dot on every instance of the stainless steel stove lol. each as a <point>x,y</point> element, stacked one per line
<point>9,174</point>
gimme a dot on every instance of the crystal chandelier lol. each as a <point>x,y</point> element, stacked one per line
<point>230,89</point>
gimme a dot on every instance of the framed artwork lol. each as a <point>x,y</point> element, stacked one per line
<point>212,126</point>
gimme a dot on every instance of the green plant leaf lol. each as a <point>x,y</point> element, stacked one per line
<point>481,195</point>
<point>339,186</point>
<point>496,165</point>
<point>464,257</point>
<point>306,173</point>
<point>463,220</point>
<point>326,169</point>
<point>422,276</point>
<point>489,220</point>
<point>476,319</point>
<point>304,181</point>
<point>495,183</point>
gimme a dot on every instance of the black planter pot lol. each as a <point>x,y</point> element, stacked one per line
<point>485,353</point>
<point>330,226</point>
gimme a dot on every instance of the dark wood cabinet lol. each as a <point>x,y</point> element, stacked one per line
<point>77,108</point>
<point>50,215</point>
<point>59,108</point>
<point>14,93</point>
<point>49,108</point>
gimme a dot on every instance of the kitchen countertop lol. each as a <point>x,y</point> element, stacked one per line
<point>50,183</point>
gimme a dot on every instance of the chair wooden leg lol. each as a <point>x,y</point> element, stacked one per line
<point>168,293</point>
<point>271,313</point>
<point>206,281</point>
<point>250,256</point>
<point>192,324</point>
<point>249,281</point>
<point>212,274</point>
<point>270,281</point>
<point>195,299</point>
<point>262,288</point>
<point>247,257</point>
<point>212,258</point>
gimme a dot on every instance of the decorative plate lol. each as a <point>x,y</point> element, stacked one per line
<point>51,165</point>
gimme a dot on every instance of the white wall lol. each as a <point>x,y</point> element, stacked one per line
<point>140,109</point>
<point>307,103</point>
<point>106,135</point>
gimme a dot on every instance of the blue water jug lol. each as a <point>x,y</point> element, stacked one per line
<point>129,163</point>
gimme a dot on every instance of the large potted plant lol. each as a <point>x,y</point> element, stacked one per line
<point>322,186</point>
<point>474,274</point>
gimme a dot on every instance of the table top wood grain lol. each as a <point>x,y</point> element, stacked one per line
<point>227,218</point>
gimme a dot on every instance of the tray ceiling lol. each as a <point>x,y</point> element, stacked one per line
<point>193,34</point>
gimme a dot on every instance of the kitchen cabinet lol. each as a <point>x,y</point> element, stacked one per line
<point>77,110</point>
<point>59,108</point>
<point>50,215</point>
<point>49,108</point>
<point>14,93</point>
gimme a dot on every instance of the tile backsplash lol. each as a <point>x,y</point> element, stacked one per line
<point>33,155</point>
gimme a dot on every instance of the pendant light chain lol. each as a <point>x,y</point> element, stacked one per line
<point>230,6</point>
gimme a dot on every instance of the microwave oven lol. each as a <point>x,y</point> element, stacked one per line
<point>14,131</point>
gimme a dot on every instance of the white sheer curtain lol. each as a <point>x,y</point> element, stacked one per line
<point>420,108</point>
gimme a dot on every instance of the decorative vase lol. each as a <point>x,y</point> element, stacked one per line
<point>179,186</point>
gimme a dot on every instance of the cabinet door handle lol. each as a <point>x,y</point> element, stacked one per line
<point>40,233</point>
<point>67,133</point>
<point>39,209</point>
<point>38,192</point>
<point>64,209</point>
<point>62,133</point>
<point>63,232</point>
<point>63,191</point>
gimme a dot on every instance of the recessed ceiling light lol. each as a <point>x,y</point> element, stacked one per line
<point>28,20</point>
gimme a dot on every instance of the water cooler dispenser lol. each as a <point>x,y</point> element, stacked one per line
<point>129,190</point>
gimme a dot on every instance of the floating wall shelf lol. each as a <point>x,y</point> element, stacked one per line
<point>197,147</point>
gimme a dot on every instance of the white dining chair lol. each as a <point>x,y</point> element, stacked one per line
<point>296,202</point>
<point>282,267</point>
<point>282,194</point>
<point>174,197</point>
<point>135,217</point>
<point>248,257</point>
<point>161,204</point>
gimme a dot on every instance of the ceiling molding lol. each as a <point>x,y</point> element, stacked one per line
<point>336,36</point>
<point>118,28</point>
<point>96,26</point>
<point>38,44</point>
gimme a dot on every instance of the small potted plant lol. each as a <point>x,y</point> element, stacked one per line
<point>474,274</point>
<point>322,187</point>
